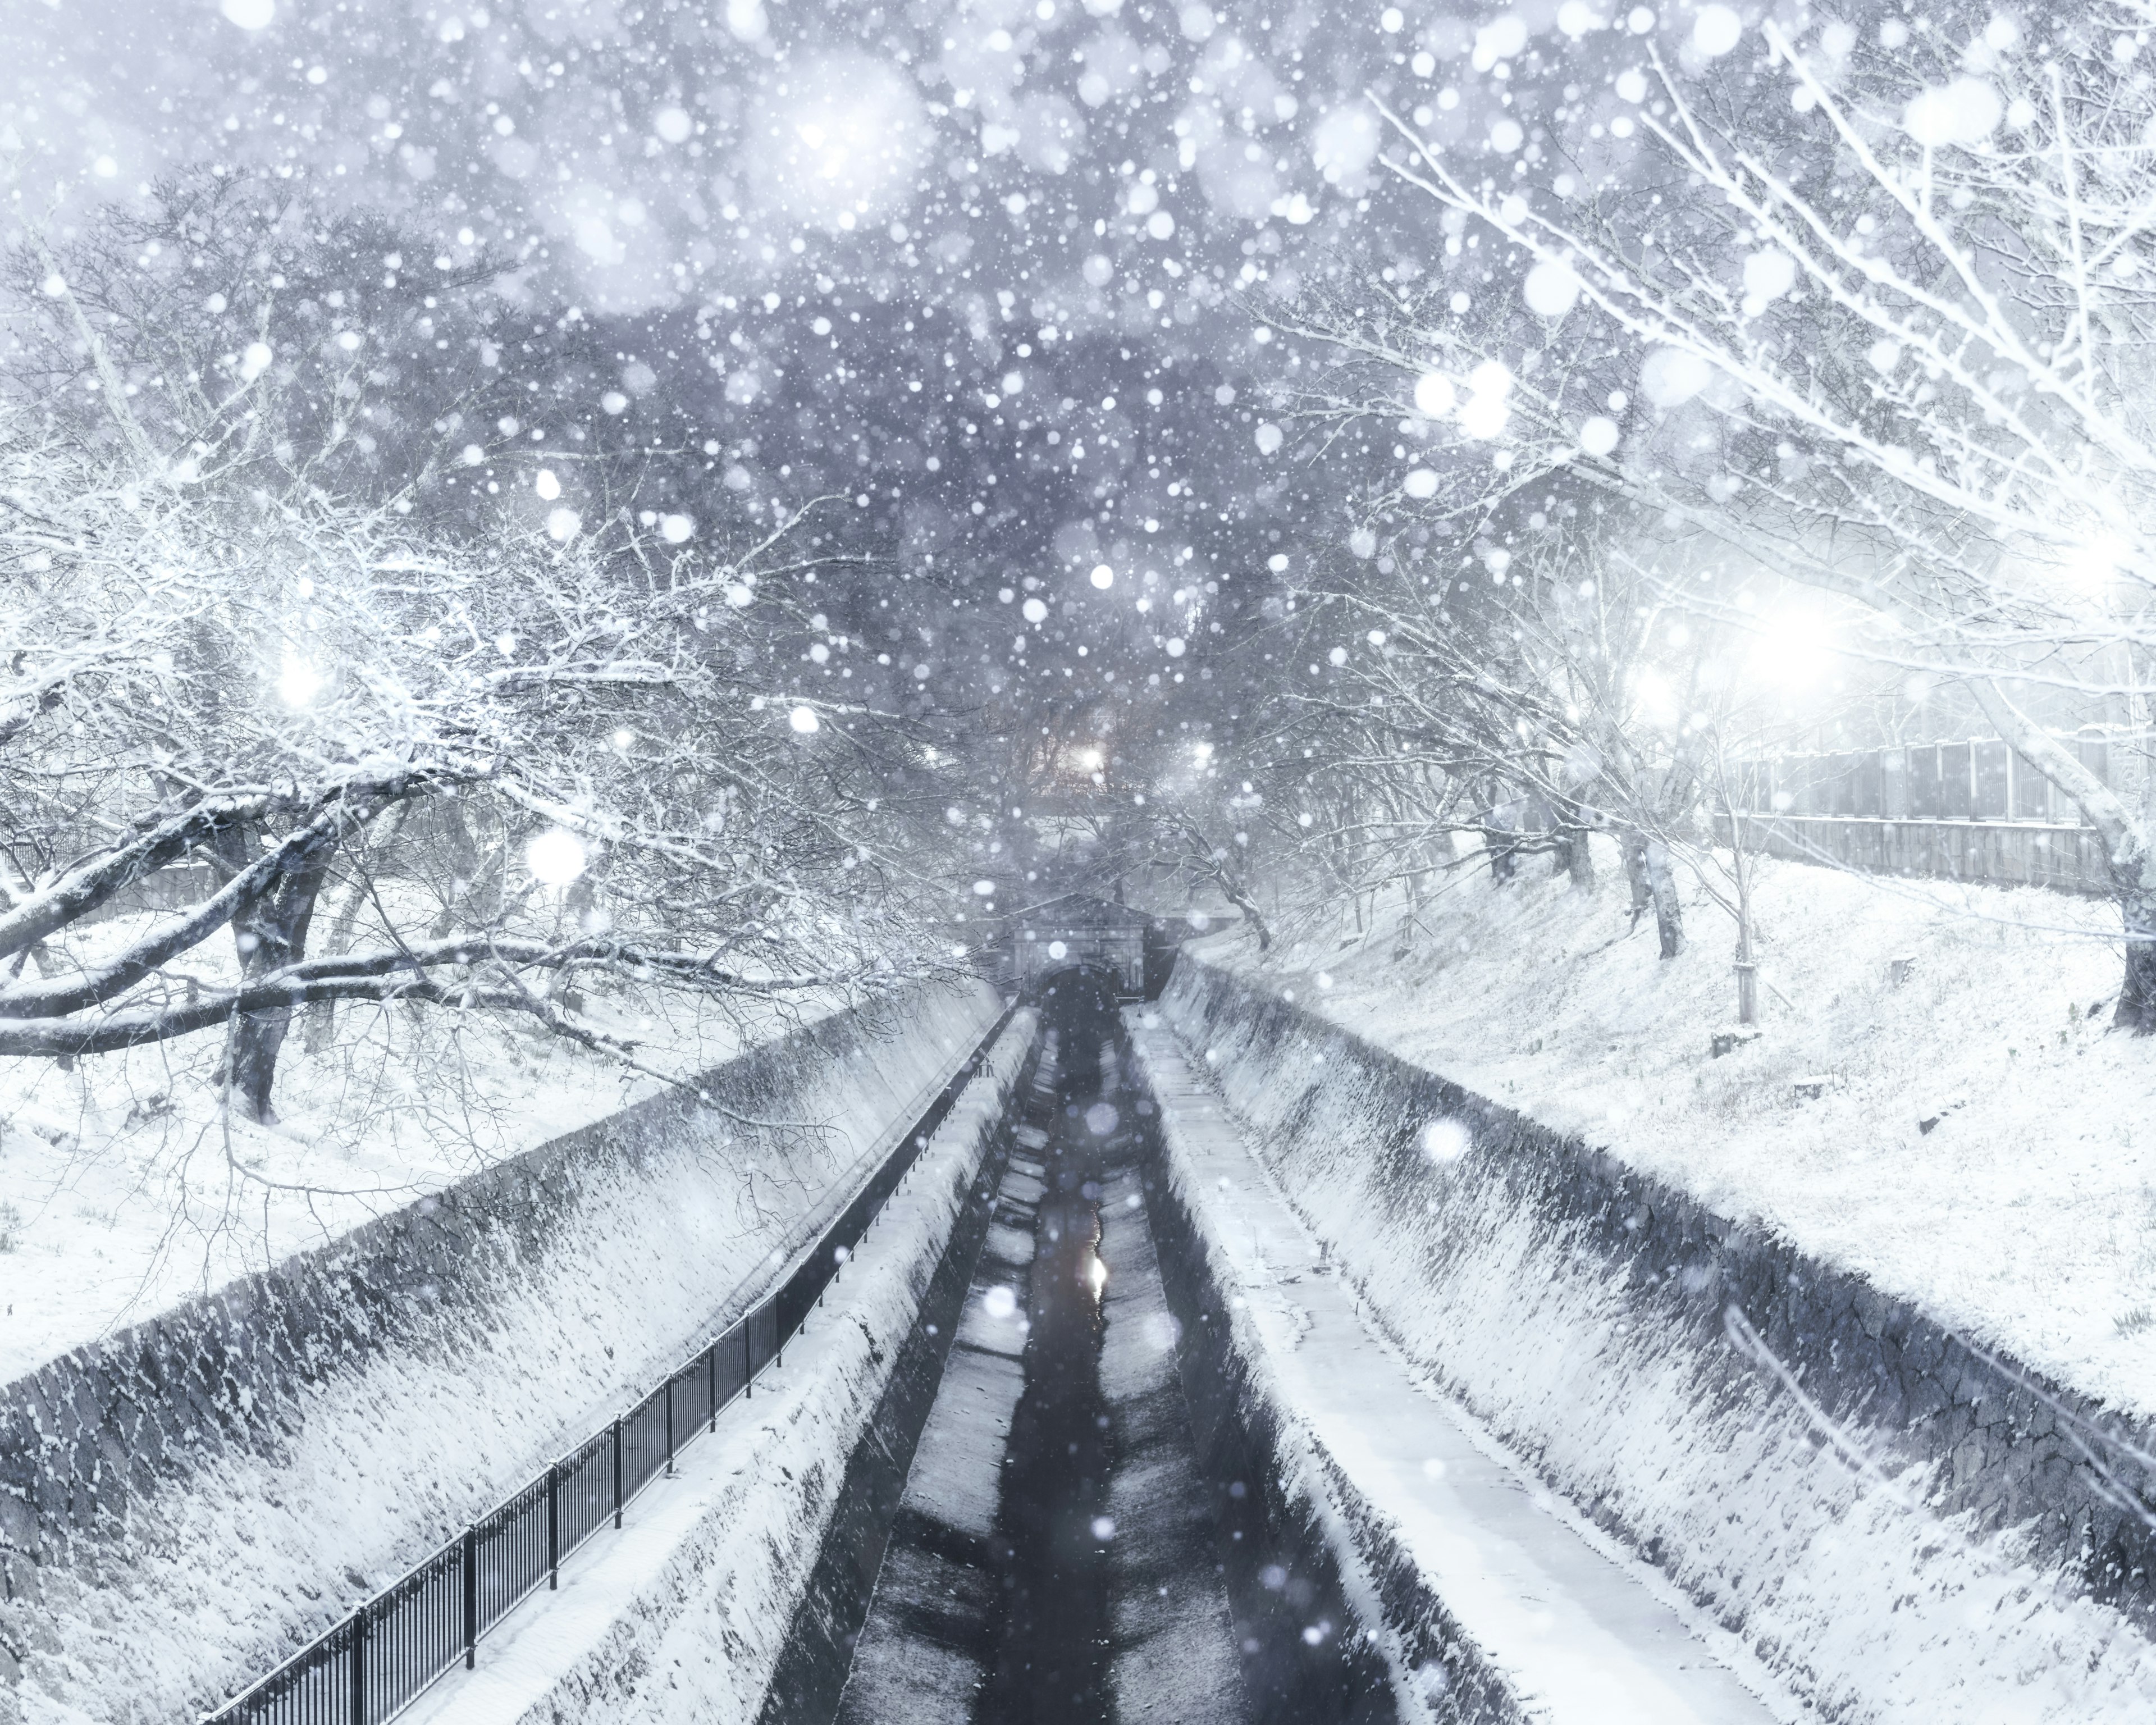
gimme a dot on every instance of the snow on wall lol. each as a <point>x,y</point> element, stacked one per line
<point>1917,1528</point>
<point>182,1504</point>
<point>686,1622</point>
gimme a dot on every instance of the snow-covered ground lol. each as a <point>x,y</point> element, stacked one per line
<point>125,1187</point>
<point>2025,1218</point>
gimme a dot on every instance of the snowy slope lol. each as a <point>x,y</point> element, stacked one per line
<point>131,1189</point>
<point>2025,1218</point>
<point>304,1436</point>
<point>1889,1532</point>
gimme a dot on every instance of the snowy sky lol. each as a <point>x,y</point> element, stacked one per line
<point>993,273</point>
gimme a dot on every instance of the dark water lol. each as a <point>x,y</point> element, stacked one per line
<point>1050,1664</point>
<point>1054,1558</point>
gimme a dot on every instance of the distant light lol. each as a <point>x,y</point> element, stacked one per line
<point>804,721</point>
<point>555,857</point>
<point>1103,577</point>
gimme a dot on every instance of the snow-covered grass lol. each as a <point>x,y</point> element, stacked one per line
<point>125,1186</point>
<point>2025,1218</point>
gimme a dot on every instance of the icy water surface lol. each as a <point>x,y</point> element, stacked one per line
<point>1054,1557</point>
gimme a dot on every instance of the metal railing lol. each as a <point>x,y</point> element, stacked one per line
<point>392,1647</point>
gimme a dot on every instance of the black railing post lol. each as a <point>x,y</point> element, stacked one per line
<point>553,1525</point>
<point>471,1597</point>
<point>617,1471</point>
<point>359,1667</point>
<point>711,1365</point>
<point>670,1428</point>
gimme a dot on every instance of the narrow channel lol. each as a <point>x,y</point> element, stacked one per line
<point>1056,1557</point>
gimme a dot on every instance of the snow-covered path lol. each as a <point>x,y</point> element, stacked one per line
<point>1574,1631</point>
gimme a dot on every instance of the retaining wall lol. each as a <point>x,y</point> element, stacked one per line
<point>183,1503</point>
<point>1887,1515</point>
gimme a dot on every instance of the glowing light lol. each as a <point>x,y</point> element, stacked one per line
<point>1795,650</point>
<point>1103,577</point>
<point>1445,1140</point>
<point>546,485</point>
<point>999,1303</point>
<point>1057,950</point>
<point>299,682</point>
<point>804,722</point>
<point>555,857</point>
<point>2093,567</point>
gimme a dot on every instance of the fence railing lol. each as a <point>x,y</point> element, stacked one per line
<point>1982,779</point>
<point>369,1667</point>
<point>1956,811</point>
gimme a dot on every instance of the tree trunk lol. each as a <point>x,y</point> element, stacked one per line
<point>271,934</point>
<point>1504,857</point>
<point>1573,858</point>
<point>2137,999</point>
<point>1662,887</point>
<point>2129,843</point>
<point>1635,876</point>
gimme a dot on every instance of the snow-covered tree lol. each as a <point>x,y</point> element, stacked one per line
<point>1885,302</point>
<point>515,759</point>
